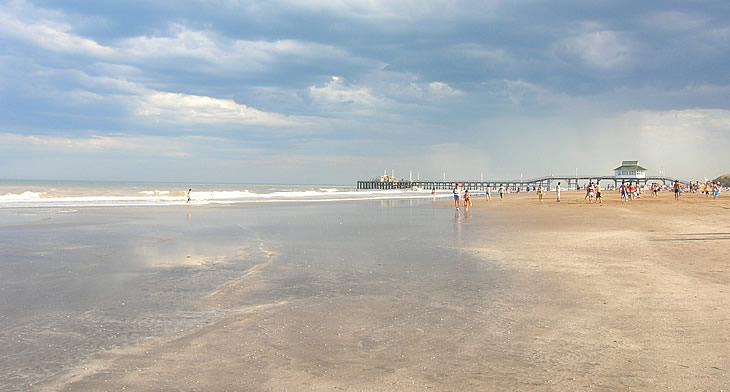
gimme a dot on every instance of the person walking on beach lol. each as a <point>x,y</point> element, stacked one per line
<point>540,192</point>
<point>433,193</point>
<point>557,191</point>
<point>456,196</point>
<point>189,190</point>
<point>467,199</point>
<point>488,193</point>
<point>589,193</point>
<point>598,193</point>
<point>501,192</point>
<point>676,189</point>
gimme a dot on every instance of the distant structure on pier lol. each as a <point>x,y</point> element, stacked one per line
<point>630,170</point>
<point>387,178</point>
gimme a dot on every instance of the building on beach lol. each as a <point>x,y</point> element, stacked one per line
<point>630,171</point>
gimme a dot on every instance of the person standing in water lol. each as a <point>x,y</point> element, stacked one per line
<point>456,196</point>
<point>189,190</point>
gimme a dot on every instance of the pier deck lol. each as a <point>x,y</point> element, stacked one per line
<point>567,182</point>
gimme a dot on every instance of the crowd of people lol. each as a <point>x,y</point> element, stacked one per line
<point>707,188</point>
<point>627,191</point>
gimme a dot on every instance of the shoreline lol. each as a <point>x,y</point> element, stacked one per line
<point>542,296</point>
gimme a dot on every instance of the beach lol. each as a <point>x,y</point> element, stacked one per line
<point>637,291</point>
<point>374,295</point>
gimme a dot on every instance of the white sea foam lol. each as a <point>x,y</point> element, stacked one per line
<point>95,195</point>
<point>25,196</point>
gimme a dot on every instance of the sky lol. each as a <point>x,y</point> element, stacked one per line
<point>332,91</point>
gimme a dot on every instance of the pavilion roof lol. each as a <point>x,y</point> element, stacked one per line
<point>628,165</point>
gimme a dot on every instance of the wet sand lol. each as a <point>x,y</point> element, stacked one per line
<point>511,295</point>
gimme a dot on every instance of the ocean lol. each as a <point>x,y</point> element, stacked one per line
<point>67,194</point>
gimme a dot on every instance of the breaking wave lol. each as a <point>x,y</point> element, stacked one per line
<point>88,198</point>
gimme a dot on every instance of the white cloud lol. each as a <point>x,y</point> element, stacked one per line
<point>95,143</point>
<point>53,31</point>
<point>48,34</point>
<point>145,102</point>
<point>394,88</point>
<point>186,108</point>
<point>441,89</point>
<point>336,91</point>
<point>600,49</point>
<point>242,55</point>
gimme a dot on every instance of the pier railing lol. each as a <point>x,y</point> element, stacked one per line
<point>547,182</point>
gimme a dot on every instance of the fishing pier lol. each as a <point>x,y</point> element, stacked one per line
<point>547,182</point>
<point>630,172</point>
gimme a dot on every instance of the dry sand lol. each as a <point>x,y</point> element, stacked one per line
<point>618,296</point>
<point>643,294</point>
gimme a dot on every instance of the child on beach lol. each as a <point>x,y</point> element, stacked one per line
<point>189,190</point>
<point>540,192</point>
<point>467,199</point>
<point>501,192</point>
<point>488,194</point>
